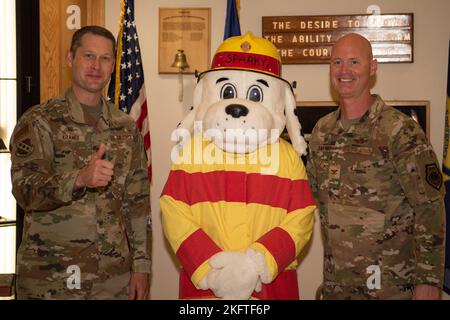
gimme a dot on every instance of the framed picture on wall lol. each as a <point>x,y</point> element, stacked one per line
<point>309,112</point>
<point>187,29</point>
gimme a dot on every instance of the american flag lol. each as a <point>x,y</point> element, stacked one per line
<point>127,89</point>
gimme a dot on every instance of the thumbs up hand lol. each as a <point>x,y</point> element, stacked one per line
<point>97,173</point>
<point>100,152</point>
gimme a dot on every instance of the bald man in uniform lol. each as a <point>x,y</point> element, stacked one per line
<point>379,189</point>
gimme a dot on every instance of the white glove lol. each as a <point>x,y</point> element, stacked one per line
<point>260,264</point>
<point>203,284</point>
<point>235,275</point>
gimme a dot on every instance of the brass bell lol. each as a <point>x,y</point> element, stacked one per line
<point>180,61</point>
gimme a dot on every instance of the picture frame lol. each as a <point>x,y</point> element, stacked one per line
<point>309,112</point>
<point>187,29</point>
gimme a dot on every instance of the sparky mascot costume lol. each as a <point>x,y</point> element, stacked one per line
<point>237,208</point>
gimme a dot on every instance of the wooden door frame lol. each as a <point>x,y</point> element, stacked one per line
<point>51,14</point>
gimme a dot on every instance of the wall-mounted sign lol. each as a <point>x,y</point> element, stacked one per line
<point>309,39</point>
<point>185,29</point>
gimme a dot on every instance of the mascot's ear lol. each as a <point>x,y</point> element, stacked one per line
<point>292,124</point>
<point>188,121</point>
<point>198,92</point>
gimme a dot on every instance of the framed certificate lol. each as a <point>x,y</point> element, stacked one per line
<point>187,29</point>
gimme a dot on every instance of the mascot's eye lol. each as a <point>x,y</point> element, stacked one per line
<point>255,93</point>
<point>228,92</point>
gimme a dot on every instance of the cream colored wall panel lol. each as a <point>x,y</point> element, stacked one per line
<point>7,25</point>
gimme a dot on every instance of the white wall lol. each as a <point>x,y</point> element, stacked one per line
<point>425,79</point>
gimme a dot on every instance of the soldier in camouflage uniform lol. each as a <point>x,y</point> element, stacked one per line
<point>378,185</point>
<point>79,171</point>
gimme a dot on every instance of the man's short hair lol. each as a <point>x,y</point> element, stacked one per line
<point>96,30</point>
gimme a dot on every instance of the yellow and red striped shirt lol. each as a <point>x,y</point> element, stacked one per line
<point>231,204</point>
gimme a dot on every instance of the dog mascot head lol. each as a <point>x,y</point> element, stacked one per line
<point>242,103</point>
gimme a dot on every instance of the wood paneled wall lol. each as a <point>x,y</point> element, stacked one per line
<point>56,37</point>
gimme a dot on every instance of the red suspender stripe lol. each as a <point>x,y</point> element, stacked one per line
<point>191,256</point>
<point>234,186</point>
<point>280,244</point>
<point>243,60</point>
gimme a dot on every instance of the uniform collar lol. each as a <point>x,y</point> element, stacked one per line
<point>368,118</point>
<point>77,114</point>
<point>374,110</point>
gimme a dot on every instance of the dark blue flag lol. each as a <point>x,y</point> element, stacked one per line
<point>232,26</point>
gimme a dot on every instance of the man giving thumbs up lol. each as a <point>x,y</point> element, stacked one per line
<point>85,225</point>
<point>98,172</point>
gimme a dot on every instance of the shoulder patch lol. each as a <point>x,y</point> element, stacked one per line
<point>23,148</point>
<point>433,176</point>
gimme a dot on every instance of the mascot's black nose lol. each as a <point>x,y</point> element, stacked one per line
<point>236,110</point>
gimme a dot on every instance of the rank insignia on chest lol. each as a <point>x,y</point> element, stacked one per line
<point>334,171</point>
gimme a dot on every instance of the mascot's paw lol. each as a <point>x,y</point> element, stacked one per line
<point>203,284</point>
<point>233,275</point>
<point>300,146</point>
<point>260,265</point>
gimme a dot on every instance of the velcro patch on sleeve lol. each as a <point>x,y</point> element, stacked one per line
<point>24,148</point>
<point>433,176</point>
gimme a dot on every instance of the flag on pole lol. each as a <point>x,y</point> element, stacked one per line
<point>232,26</point>
<point>127,89</point>
<point>446,171</point>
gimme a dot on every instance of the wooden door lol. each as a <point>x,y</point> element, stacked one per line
<point>58,22</point>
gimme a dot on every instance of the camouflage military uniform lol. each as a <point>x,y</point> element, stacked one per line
<point>380,195</point>
<point>100,231</point>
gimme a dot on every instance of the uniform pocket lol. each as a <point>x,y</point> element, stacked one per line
<point>120,154</point>
<point>354,238</point>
